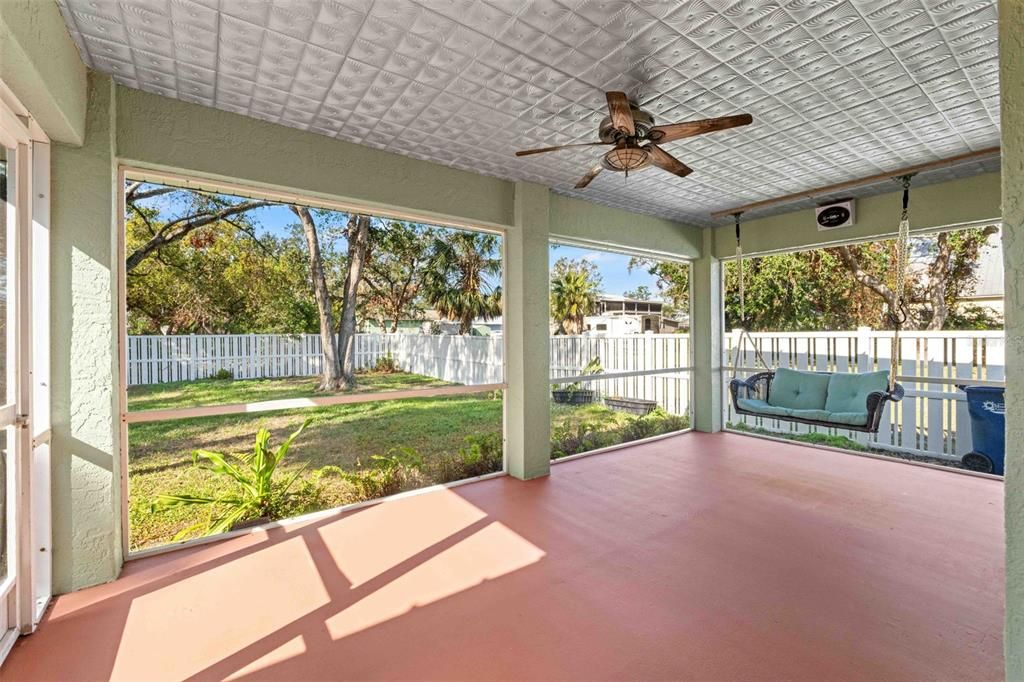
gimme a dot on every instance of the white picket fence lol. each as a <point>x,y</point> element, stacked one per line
<point>932,419</point>
<point>470,360</point>
<point>162,359</point>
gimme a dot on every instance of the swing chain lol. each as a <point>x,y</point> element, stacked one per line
<point>900,314</point>
<point>743,310</point>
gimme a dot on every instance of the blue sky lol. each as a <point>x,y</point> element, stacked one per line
<point>614,267</point>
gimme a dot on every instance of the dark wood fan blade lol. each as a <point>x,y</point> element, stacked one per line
<point>544,150</point>
<point>622,115</point>
<point>665,161</point>
<point>677,131</point>
<point>591,174</point>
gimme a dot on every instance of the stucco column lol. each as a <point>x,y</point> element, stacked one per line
<point>527,400</point>
<point>84,451</point>
<point>706,336</point>
<point>1011,75</point>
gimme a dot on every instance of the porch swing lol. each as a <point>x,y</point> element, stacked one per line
<point>841,400</point>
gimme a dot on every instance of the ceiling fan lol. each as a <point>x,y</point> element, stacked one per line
<point>636,139</point>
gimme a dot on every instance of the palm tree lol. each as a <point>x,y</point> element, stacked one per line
<point>573,297</point>
<point>460,276</point>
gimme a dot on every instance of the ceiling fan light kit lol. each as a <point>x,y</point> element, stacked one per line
<point>626,158</point>
<point>636,139</point>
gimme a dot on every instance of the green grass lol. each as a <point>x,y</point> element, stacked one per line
<point>345,436</point>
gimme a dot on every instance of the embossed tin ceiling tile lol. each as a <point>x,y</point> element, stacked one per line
<point>821,78</point>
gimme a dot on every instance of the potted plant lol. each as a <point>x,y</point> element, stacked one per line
<point>637,406</point>
<point>574,393</point>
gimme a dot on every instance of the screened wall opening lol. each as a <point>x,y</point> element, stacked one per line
<point>828,310</point>
<point>282,358</point>
<point>619,348</point>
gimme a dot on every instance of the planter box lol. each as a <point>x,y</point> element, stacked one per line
<point>635,406</point>
<point>580,396</point>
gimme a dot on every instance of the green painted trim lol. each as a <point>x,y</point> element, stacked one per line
<point>40,64</point>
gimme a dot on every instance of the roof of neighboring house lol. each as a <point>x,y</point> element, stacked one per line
<point>990,270</point>
<point>625,299</point>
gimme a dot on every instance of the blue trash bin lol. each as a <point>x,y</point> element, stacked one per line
<point>987,408</point>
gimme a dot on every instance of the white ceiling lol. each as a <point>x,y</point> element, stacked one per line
<point>838,89</point>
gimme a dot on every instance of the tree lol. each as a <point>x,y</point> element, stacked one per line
<point>574,289</point>
<point>200,209</point>
<point>641,293</point>
<point>204,283</point>
<point>193,272</point>
<point>672,279</point>
<point>460,275</point>
<point>330,378</point>
<point>849,286</point>
<point>392,279</point>
<point>358,244</point>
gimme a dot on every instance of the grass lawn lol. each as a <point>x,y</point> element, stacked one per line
<point>345,436</point>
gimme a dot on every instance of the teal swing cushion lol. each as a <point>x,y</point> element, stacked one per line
<point>835,398</point>
<point>761,407</point>
<point>849,392</point>
<point>798,390</point>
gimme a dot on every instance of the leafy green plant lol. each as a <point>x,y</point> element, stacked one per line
<point>589,435</point>
<point>481,454</point>
<point>384,474</point>
<point>258,491</point>
<point>223,374</point>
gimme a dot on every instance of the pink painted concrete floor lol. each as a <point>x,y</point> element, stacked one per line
<point>696,557</point>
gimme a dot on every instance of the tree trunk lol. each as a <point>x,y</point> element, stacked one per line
<point>330,376</point>
<point>938,276</point>
<point>873,284</point>
<point>358,241</point>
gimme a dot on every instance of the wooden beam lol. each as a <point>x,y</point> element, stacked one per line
<point>851,184</point>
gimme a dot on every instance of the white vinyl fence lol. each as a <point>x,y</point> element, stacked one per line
<point>932,419</point>
<point>469,360</point>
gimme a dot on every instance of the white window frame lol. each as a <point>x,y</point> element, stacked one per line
<point>184,181</point>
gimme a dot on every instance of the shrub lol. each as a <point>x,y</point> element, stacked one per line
<point>223,374</point>
<point>482,454</point>
<point>386,365</point>
<point>568,440</point>
<point>386,474</point>
<point>655,423</point>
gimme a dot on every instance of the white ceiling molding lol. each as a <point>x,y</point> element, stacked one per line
<point>839,89</point>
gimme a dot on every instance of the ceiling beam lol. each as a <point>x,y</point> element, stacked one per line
<point>852,184</point>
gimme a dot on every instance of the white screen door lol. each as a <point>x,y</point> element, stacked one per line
<point>24,374</point>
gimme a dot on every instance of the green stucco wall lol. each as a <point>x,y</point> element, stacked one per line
<point>40,64</point>
<point>168,134</point>
<point>1011,60</point>
<point>950,203</point>
<point>527,400</point>
<point>85,467</point>
<point>706,337</point>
